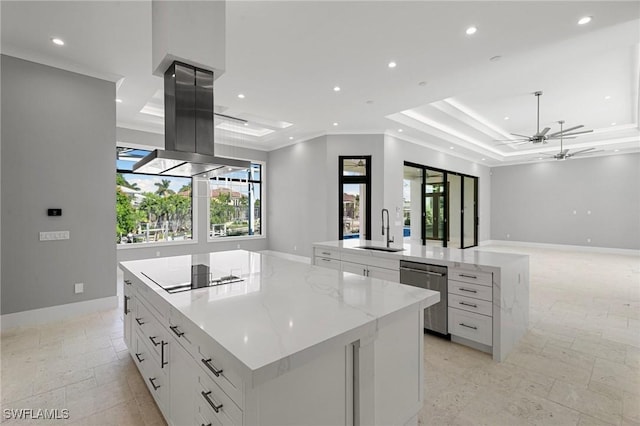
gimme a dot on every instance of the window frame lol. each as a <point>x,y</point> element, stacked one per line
<point>263,221</point>
<point>357,179</point>
<point>194,225</point>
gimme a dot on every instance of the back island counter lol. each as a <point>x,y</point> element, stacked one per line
<point>243,338</point>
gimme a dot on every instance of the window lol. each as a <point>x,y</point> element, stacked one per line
<point>354,192</point>
<point>235,203</point>
<point>150,208</point>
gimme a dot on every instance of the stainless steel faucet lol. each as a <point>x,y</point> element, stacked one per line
<point>389,240</point>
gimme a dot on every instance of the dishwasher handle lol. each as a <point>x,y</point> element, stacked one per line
<point>422,271</point>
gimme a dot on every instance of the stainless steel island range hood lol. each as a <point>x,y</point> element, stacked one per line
<point>188,128</point>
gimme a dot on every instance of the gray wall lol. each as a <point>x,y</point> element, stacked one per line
<point>58,134</point>
<point>140,139</point>
<point>397,151</point>
<point>536,202</point>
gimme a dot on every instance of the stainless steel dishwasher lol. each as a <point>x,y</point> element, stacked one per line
<point>432,277</point>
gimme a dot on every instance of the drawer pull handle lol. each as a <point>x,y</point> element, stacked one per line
<point>469,276</point>
<point>213,405</point>
<point>467,290</point>
<point>174,328</point>
<point>326,260</point>
<point>153,340</point>
<point>326,253</point>
<point>468,326</point>
<point>162,361</point>
<point>139,321</point>
<point>207,363</point>
<point>127,282</point>
<point>473,305</point>
<point>126,305</point>
<point>153,383</point>
<point>202,424</point>
<point>139,358</point>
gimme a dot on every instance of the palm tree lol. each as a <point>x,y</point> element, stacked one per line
<point>163,187</point>
<point>122,181</point>
<point>185,189</point>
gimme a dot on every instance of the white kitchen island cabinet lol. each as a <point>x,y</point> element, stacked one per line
<point>289,344</point>
<point>488,293</point>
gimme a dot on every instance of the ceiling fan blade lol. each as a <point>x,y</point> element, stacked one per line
<point>560,137</point>
<point>521,136</point>
<point>576,133</point>
<point>567,130</point>
<point>513,143</point>
<point>544,131</point>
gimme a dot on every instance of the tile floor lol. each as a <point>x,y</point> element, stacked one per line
<point>578,365</point>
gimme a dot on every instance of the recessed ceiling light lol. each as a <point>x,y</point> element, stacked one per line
<point>392,64</point>
<point>471,30</point>
<point>450,147</point>
<point>483,159</point>
<point>506,118</point>
<point>616,150</point>
<point>336,89</point>
<point>290,138</point>
<point>539,158</point>
<point>246,123</point>
<point>400,130</point>
<point>613,124</point>
<point>118,100</point>
<point>606,98</point>
<point>335,124</point>
<point>241,96</point>
<point>584,20</point>
<point>57,41</point>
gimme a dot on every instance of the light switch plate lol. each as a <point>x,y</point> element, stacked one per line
<point>54,235</point>
<point>79,288</point>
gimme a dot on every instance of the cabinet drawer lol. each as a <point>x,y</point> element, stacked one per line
<point>218,371</point>
<point>328,262</point>
<point>471,290</point>
<point>472,326</point>
<point>482,278</point>
<point>384,274</point>
<point>150,330</point>
<point>184,331</point>
<point>472,305</point>
<point>326,252</point>
<point>157,382</point>
<point>367,259</point>
<point>209,396</point>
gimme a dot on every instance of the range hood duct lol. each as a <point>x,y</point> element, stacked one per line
<point>188,128</point>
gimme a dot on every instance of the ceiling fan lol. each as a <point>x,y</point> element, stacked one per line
<point>564,153</point>
<point>543,136</point>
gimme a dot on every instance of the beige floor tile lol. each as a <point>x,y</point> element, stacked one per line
<point>541,411</point>
<point>599,405</point>
<point>586,420</point>
<point>616,375</point>
<point>124,414</point>
<point>48,380</point>
<point>569,356</point>
<point>98,398</point>
<point>551,367</point>
<point>631,407</point>
<point>601,348</point>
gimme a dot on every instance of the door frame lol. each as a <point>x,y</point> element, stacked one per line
<point>366,180</point>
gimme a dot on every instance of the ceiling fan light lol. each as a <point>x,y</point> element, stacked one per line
<point>584,20</point>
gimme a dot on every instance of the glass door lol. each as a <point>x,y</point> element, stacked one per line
<point>354,204</point>
<point>434,206</point>
<point>469,211</point>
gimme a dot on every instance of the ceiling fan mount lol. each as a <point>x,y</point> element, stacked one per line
<point>543,136</point>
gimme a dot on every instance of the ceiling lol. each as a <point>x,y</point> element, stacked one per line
<point>287,57</point>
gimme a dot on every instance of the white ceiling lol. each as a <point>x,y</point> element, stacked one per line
<point>286,57</point>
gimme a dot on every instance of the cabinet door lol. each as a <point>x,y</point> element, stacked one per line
<point>384,274</point>
<point>128,312</point>
<point>182,380</point>
<point>354,268</point>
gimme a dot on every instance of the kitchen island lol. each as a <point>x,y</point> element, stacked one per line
<point>488,292</point>
<point>279,342</point>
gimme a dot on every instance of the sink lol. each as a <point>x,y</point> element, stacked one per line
<point>377,248</point>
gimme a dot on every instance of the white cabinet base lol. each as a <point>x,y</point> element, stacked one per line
<point>472,344</point>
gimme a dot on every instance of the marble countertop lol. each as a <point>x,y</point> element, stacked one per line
<point>282,308</point>
<point>415,251</point>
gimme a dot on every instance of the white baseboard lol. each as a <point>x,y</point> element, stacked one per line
<point>56,313</point>
<point>567,247</point>
<point>296,258</point>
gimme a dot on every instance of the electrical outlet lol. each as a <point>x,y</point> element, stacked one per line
<point>157,254</point>
<point>78,288</point>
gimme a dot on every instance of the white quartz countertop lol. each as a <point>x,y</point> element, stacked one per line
<point>282,308</point>
<point>414,251</point>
